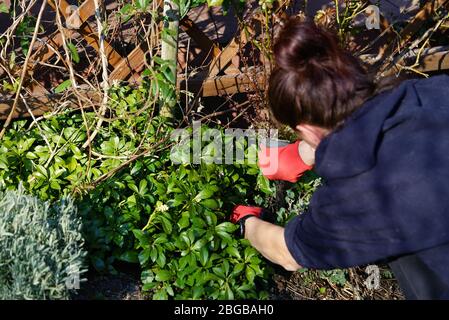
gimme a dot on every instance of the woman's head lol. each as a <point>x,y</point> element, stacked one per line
<point>315,82</point>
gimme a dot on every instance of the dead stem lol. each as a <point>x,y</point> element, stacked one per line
<point>24,70</point>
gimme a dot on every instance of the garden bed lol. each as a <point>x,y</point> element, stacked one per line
<point>154,228</point>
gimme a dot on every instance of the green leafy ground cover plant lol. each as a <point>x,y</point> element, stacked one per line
<point>188,248</point>
<point>172,219</point>
<point>136,205</point>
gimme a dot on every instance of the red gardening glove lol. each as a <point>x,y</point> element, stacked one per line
<point>282,163</point>
<point>241,213</point>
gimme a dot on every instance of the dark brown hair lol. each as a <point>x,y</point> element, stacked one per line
<point>315,81</point>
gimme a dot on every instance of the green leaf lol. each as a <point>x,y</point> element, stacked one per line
<point>163,275</point>
<point>142,4</point>
<point>264,184</point>
<point>131,201</point>
<point>204,194</point>
<point>211,218</point>
<point>73,52</point>
<point>139,234</point>
<point>160,295</point>
<point>226,266</point>
<point>204,256</point>
<point>199,244</point>
<point>238,268</point>
<point>197,292</point>
<point>144,256</point>
<point>229,294</point>
<point>126,8</point>
<point>170,291</point>
<point>177,201</point>
<point>129,256</point>
<point>71,164</point>
<point>4,8</point>
<point>210,203</point>
<point>250,274</point>
<point>159,60</point>
<point>136,168</point>
<point>226,227</point>
<point>219,272</point>
<point>153,254</point>
<point>133,187</point>
<point>168,73</point>
<point>41,169</point>
<point>55,185</point>
<point>63,86</point>
<point>214,3</point>
<point>143,186</point>
<point>149,286</point>
<point>225,237</point>
<point>257,269</point>
<point>184,221</point>
<point>249,253</point>
<point>192,259</point>
<point>166,225</point>
<point>233,252</point>
<point>161,260</point>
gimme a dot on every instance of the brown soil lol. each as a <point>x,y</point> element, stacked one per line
<point>311,285</point>
<point>125,285</point>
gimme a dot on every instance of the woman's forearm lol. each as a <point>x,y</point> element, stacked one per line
<point>269,240</point>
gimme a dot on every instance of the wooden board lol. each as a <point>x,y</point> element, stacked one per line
<point>223,85</point>
<point>85,11</point>
<point>411,29</point>
<point>39,105</point>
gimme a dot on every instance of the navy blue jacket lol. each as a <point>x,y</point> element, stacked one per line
<point>385,189</point>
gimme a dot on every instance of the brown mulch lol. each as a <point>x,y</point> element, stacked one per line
<point>311,285</point>
<point>124,285</point>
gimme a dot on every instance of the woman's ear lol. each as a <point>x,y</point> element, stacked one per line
<point>312,134</point>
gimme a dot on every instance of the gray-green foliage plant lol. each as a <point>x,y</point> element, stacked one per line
<point>41,251</point>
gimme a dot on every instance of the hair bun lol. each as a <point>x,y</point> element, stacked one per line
<point>301,43</point>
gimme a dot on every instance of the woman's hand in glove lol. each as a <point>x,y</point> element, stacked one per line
<point>288,162</point>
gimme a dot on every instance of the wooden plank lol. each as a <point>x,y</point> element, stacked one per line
<point>420,18</point>
<point>207,45</point>
<point>223,85</point>
<point>38,108</point>
<point>230,84</point>
<point>86,10</point>
<point>135,61</point>
<point>435,62</point>
<point>220,62</point>
<point>412,28</point>
<point>92,39</point>
<point>41,104</point>
<point>431,62</point>
<point>43,52</point>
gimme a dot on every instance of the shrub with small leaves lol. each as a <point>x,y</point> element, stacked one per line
<point>41,252</point>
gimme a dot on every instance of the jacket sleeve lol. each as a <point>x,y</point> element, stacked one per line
<point>360,227</point>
